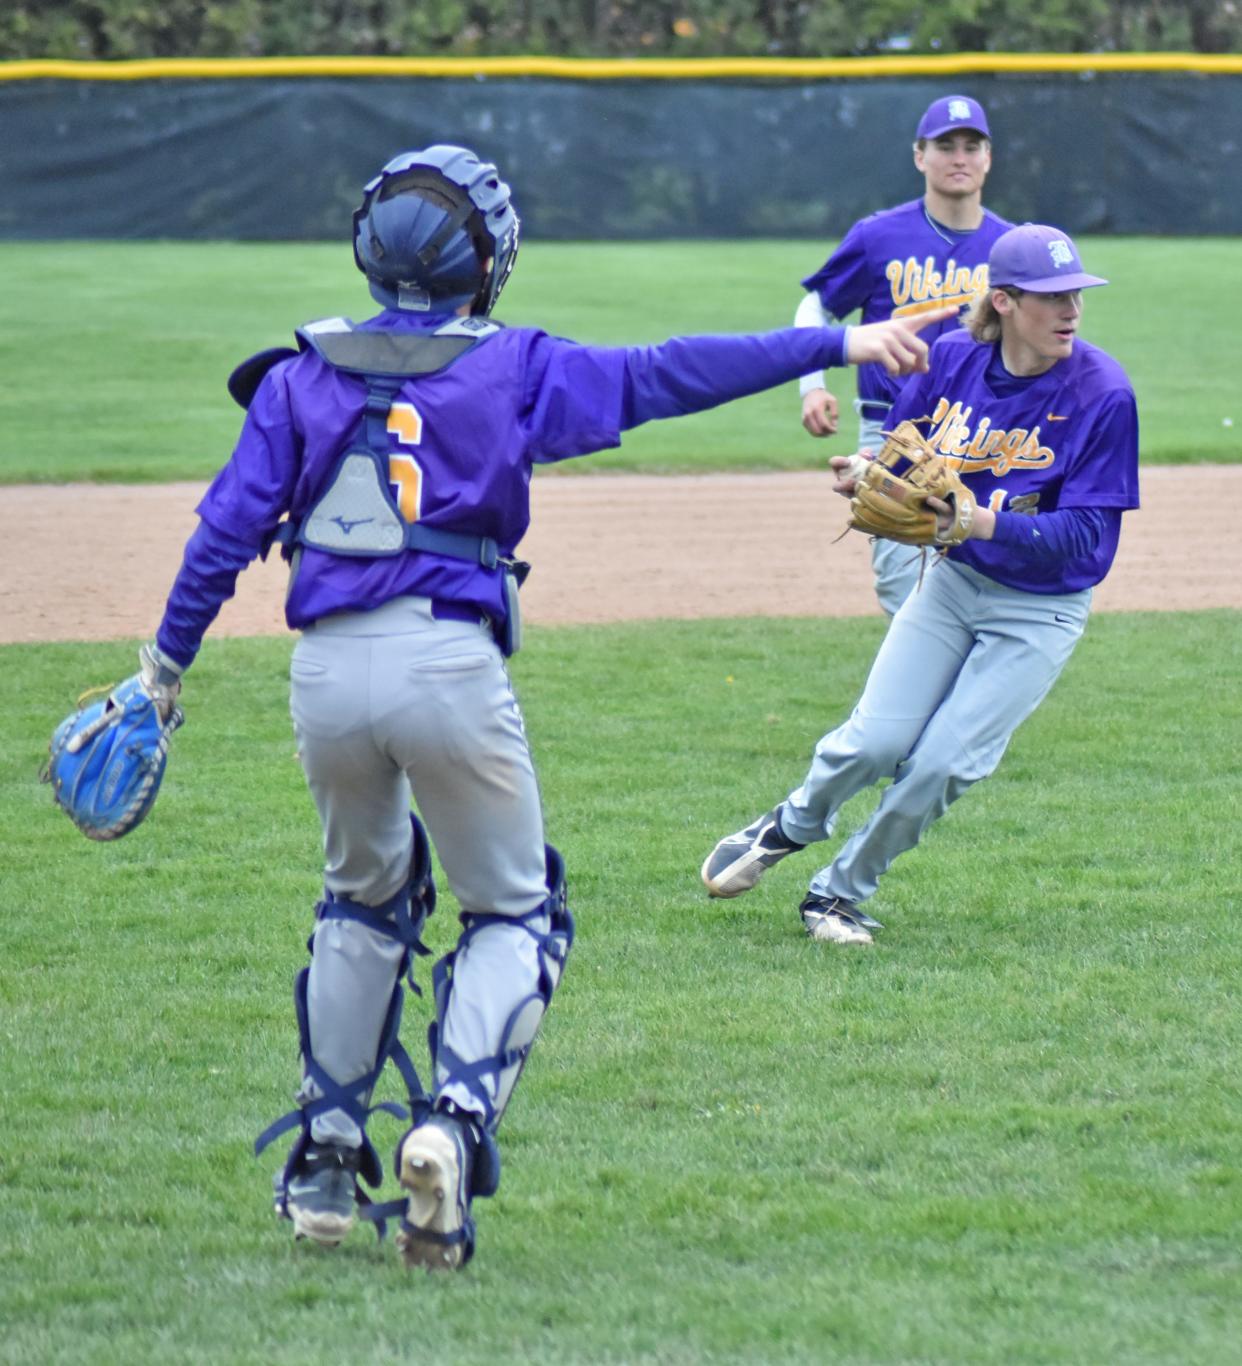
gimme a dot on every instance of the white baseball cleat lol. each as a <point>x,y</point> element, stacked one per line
<point>737,863</point>
<point>832,920</point>
<point>437,1232</point>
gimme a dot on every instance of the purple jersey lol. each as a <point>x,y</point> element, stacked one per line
<point>1065,439</point>
<point>462,443</point>
<point>899,263</point>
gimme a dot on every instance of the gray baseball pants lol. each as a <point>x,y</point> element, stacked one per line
<point>965,662</point>
<point>389,705</point>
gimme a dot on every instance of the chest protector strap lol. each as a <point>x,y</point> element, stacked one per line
<point>356,514</point>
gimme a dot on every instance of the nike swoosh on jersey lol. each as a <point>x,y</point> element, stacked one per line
<point>1058,417</point>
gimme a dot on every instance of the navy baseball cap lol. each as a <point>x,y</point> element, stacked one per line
<point>950,113</point>
<point>1038,258</point>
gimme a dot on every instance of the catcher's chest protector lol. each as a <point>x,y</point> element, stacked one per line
<point>356,512</point>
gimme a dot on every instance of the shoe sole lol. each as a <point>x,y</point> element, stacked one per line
<point>830,930</point>
<point>328,1230</point>
<point>429,1172</point>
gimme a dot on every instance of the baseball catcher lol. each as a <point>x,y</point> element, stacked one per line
<point>106,759</point>
<point>910,494</point>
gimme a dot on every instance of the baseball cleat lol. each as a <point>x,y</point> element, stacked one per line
<point>437,1231</point>
<point>319,1196</point>
<point>832,920</point>
<point>737,863</point>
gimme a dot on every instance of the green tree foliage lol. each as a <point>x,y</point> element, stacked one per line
<point>117,29</point>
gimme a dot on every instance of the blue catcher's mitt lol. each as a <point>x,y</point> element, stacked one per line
<point>106,761</point>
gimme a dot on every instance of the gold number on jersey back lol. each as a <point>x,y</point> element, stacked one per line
<point>404,472</point>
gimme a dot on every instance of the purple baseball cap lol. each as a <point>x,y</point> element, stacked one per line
<point>1038,258</point>
<point>950,113</point>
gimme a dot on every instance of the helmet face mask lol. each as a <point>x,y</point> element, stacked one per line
<point>436,231</point>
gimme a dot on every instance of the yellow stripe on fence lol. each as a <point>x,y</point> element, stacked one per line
<point>617,69</point>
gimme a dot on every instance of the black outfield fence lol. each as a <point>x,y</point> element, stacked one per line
<point>279,149</point>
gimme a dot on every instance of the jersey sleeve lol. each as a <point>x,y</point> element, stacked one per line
<point>843,282</point>
<point>238,513</point>
<point>250,494</point>
<point>1053,538</point>
<point>206,580</point>
<point>1104,473</point>
<point>581,398</point>
<point>571,398</point>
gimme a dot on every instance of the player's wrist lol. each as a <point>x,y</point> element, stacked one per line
<point>160,678</point>
<point>983,527</point>
<point>162,669</point>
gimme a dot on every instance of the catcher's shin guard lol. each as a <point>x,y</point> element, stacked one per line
<point>320,1094</point>
<point>403,915</point>
<point>448,1157</point>
<point>332,1114</point>
<point>503,972</point>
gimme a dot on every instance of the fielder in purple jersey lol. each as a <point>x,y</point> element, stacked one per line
<point>391,461</point>
<point>899,263</point>
<point>1044,429</point>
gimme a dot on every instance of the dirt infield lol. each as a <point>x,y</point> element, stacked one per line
<point>91,562</point>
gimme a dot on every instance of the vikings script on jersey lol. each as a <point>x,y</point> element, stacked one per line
<point>899,263</point>
<point>984,446</point>
<point>1087,457</point>
<point>918,285</point>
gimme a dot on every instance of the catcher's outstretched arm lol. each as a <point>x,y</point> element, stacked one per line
<point>160,678</point>
<point>894,343</point>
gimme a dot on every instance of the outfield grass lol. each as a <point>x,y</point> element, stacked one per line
<point>1008,1133</point>
<point>115,354</point>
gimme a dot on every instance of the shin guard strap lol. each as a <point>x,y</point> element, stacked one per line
<point>404,914</point>
<point>553,945</point>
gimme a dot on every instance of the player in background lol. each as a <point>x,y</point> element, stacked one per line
<point>391,459</point>
<point>897,264</point>
<point>1044,429</point>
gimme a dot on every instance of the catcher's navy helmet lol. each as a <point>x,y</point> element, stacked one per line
<point>427,227</point>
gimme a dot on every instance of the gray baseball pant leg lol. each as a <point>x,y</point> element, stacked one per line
<point>387,705</point>
<point>919,658</point>
<point>963,665</point>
